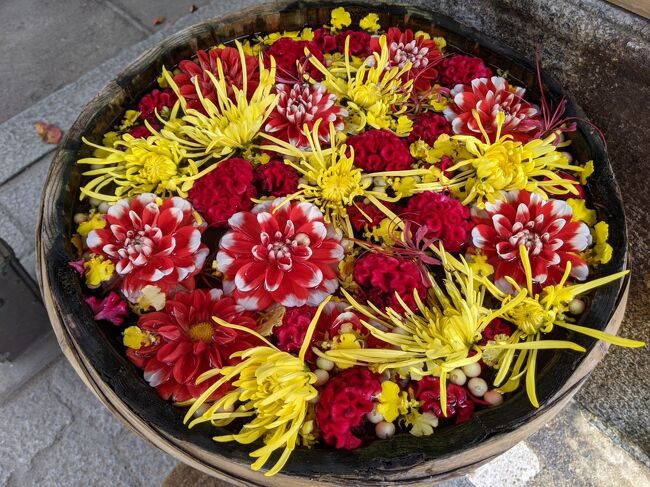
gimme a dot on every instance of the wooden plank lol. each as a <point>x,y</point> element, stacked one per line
<point>639,7</point>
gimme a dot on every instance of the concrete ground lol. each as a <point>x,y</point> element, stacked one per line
<point>57,55</point>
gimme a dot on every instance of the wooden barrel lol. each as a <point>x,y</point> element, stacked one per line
<point>97,355</point>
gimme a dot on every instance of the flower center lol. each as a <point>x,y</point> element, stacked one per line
<point>201,332</point>
<point>340,184</point>
<point>156,168</point>
<point>280,249</point>
<point>528,238</point>
<point>138,245</point>
<point>410,52</point>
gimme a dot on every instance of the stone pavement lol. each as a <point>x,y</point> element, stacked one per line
<point>54,432</point>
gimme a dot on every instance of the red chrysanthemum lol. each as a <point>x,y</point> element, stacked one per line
<point>304,104</point>
<point>359,42</point>
<point>276,178</point>
<point>186,342</point>
<point>380,150</point>
<point>380,276</point>
<point>280,252</point>
<point>445,217</point>
<point>343,404</point>
<point>208,62</point>
<point>489,97</point>
<point>459,403</point>
<point>151,244</point>
<point>224,191</point>
<point>291,60</point>
<point>462,69</point>
<point>544,227</point>
<point>428,127</point>
<point>154,101</point>
<point>422,53</point>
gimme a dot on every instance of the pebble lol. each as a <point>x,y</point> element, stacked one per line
<point>457,377</point>
<point>374,417</point>
<point>322,376</point>
<point>477,386</point>
<point>493,397</point>
<point>384,430</point>
<point>472,370</point>
<point>324,364</point>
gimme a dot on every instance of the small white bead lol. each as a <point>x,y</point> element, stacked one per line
<point>457,377</point>
<point>79,218</point>
<point>384,430</point>
<point>94,202</point>
<point>374,417</point>
<point>477,386</point>
<point>103,207</point>
<point>577,306</point>
<point>321,377</point>
<point>472,370</point>
<point>493,397</point>
<point>324,364</point>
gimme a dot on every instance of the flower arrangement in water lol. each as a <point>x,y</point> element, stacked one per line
<point>337,234</point>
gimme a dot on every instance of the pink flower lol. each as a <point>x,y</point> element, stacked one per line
<point>300,104</point>
<point>488,97</point>
<point>112,308</point>
<point>151,244</point>
<point>544,227</point>
<point>279,252</point>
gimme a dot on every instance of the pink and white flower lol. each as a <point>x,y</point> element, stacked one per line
<point>279,253</point>
<point>489,96</point>
<point>544,227</point>
<point>301,104</point>
<point>151,244</point>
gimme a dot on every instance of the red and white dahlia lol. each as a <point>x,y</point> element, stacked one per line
<point>184,341</point>
<point>279,253</point>
<point>151,244</point>
<point>544,227</point>
<point>301,104</point>
<point>489,97</point>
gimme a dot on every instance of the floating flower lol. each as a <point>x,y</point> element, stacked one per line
<point>225,191</point>
<point>459,404</point>
<point>461,69</point>
<point>393,402</point>
<point>358,41</point>
<point>275,178</point>
<point>428,127</point>
<point>343,404</point>
<point>370,23</point>
<point>237,69</point>
<point>340,18</point>
<point>292,59</point>
<point>380,150</point>
<point>154,102</point>
<point>112,308</point>
<point>185,342</point>
<point>151,244</point>
<point>98,269</point>
<point>489,97</point>
<point>300,107</point>
<point>281,252</point>
<point>544,227</point>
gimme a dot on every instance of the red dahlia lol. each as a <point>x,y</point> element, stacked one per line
<point>276,178</point>
<point>380,276</point>
<point>445,217</point>
<point>544,227</point>
<point>154,101</point>
<point>279,252</point>
<point>489,97</point>
<point>459,403</point>
<point>428,127</point>
<point>304,104</point>
<point>423,54</point>
<point>151,244</point>
<point>208,62</point>
<point>224,191</point>
<point>187,342</point>
<point>462,69</point>
<point>343,404</point>
<point>380,150</point>
<point>291,60</point>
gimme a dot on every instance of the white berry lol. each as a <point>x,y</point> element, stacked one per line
<point>324,364</point>
<point>103,207</point>
<point>374,416</point>
<point>79,218</point>
<point>472,370</point>
<point>477,386</point>
<point>577,306</point>
<point>493,397</point>
<point>321,377</point>
<point>457,377</point>
<point>384,430</point>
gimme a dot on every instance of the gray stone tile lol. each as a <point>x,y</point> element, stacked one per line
<point>11,233</point>
<point>146,12</point>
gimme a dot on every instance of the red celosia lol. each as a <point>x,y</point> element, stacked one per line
<point>428,127</point>
<point>380,150</point>
<point>280,252</point>
<point>488,98</point>
<point>151,244</point>
<point>462,69</point>
<point>422,53</point>
<point>291,61</point>
<point>544,227</point>
<point>112,308</point>
<point>186,342</point>
<point>325,40</point>
<point>343,404</point>
<point>224,191</point>
<point>380,276</point>
<point>445,217</point>
<point>154,101</point>
<point>208,62</point>
<point>291,333</point>
<point>141,131</point>
<point>459,403</point>
<point>359,42</point>
<point>496,327</point>
<point>300,105</point>
<point>276,179</point>
<point>360,222</point>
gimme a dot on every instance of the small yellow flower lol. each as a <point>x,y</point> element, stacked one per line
<point>441,43</point>
<point>386,232</point>
<point>98,270</point>
<point>108,140</point>
<point>403,126</point>
<point>135,338</point>
<point>480,266</point>
<point>581,212</point>
<point>129,119</point>
<point>422,424</point>
<point>392,401</point>
<point>95,222</point>
<point>345,341</point>
<point>404,187</point>
<point>587,171</point>
<point>151,297</point>
<point>602,251</point>
<point>370,23</point>
<point>340,18</point>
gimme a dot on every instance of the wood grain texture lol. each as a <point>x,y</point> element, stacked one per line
<point>98,356</point>
<point>639,7</point>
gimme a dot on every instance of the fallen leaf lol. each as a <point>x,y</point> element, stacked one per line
<point>159,20</point>
<point>48,132</point>
<point>270,319</point>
